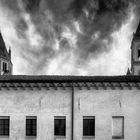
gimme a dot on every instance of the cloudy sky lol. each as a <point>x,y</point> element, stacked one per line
<point>69,37</point>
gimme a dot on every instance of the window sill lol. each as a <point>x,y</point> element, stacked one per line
<point>2,136</point>
<point>31,137</point>
<point>88,137</point>
<point>117,137</point>
<point>60,137</point>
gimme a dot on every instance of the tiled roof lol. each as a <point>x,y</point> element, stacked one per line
<point>56,78</point>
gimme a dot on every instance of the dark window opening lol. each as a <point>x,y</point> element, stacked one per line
<point>139,54</point>
<point>89,126</point>
<point>31,123</point>
<point>60,126</point>
<point>4,67</point>
<point>4,126</point>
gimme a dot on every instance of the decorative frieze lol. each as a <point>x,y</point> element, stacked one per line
<point>78,85</point>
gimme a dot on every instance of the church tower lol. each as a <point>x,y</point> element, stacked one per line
<point>5,59</point>
<point>135,53</point>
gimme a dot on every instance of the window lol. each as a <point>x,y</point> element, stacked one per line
<point>60,126</point>
<point>31,123</point>
<point>139,54</point>
<point>4,67</point>
<point>4,126</point>
<point>117,127</point>
<point>89,126</point>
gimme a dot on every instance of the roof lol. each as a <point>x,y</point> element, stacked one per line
<point>59,79</point>
<point>104,82</point>
<point>3,51</point>
<point>138,30</point>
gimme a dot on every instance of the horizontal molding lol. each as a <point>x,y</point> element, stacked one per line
<point>78,85</point>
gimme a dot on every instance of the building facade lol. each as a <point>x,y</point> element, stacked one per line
<point>69,107</point>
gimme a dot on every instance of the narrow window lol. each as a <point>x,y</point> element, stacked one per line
<point>31,124</point>
<point>139,54</point>
<point>89,126</point>
<point>4,67</point>
<point>60,126</point>
<point>4,126</point>
<point>117,127</point>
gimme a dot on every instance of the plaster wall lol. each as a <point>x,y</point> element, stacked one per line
<point>103,104</point>
<point>45,104</point>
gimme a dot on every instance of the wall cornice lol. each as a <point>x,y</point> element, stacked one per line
<point>77,85</point>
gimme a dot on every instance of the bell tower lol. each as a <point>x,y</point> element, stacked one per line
<point>6,66</point>
<point>135,53</point>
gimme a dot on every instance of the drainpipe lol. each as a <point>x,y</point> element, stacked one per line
<point>72,113</point>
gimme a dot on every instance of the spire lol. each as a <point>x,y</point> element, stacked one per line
<point>128,72</point>
<point>3,51</point>
<point>137,34</point>
<point>1,40</point>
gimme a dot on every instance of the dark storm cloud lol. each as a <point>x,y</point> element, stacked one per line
<point>31,5</point>
<point>98,19</point>
<point>104,17</point>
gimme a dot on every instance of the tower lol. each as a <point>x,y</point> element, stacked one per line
<point>135,52</point>
<point>5,59</point>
